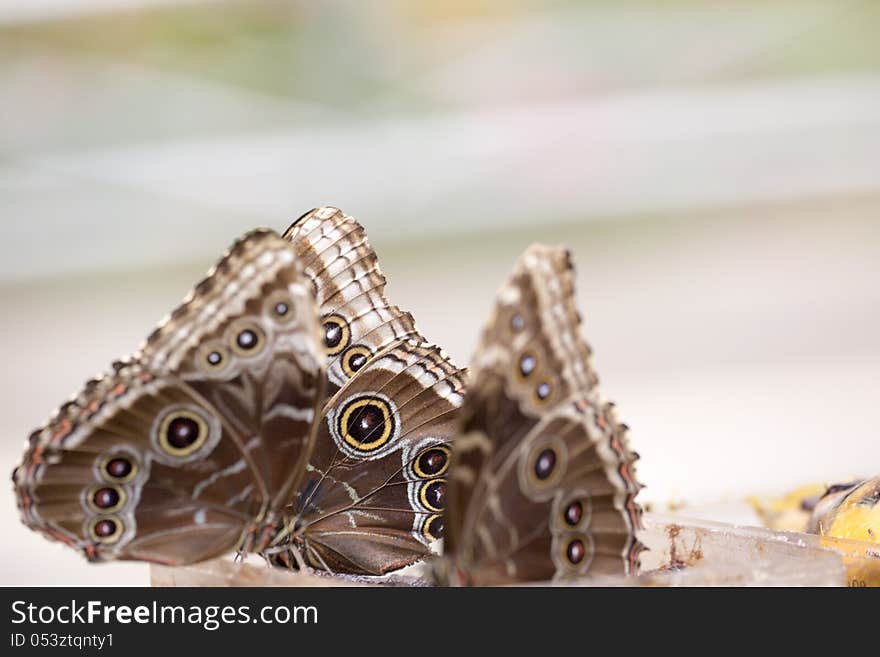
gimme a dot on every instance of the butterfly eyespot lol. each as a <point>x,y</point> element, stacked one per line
<point>431,462</point>
<point>354,359</point>
<point>118,468</point>
<point>543,391</point>
<point>280,307</point>
<point>573,553</point>
<point>432,527</point>
<point>542,468</point>
<point>517,323</point>
<point>545,464</point>
<point>182,432</point>
<point>336,334</point>
<point>106,529</point>
<point>573,513</point>
<point>432,495</point>
<point>527,364</point>
<point>212,357</point>
<point>366,424</point>
<point>105,499</point>
<point>247,340</point>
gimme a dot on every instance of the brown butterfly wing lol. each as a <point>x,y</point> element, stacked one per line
<point>91,480</point>
<point>377,484</point>
<point>542,480</point>
<point>360,511</point>
<point>357,318</point>
<point>189,449</point>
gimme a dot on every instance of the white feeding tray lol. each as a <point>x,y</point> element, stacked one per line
<point>681,552</point>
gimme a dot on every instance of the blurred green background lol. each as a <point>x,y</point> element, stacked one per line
<point>715,167</point>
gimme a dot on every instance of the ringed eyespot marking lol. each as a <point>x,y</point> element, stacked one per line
<point>575,551</point>
<point>527,364</point>
<point>336,334</point>
<point>432,495</point>
<point>106,529</point>
<point>118,468</point>
<point>104,499</point>
<point>212,357</point>
<point>366,424</point>
<point>573,513</point>
<point>545,463</point>
<point>354,359</point>
<point>517,323</point>
<point>432,528</point>
<point>248,339</point>
<point>431,462</point>
<point>182,432</point>
<point>280,306</point>
<point>542,391</point>
<point>542,467</point>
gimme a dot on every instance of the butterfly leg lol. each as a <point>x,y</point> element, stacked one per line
<point>320,559</point>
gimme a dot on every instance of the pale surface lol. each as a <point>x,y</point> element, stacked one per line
<point>685,552</point>
<point>225,572</point>
<point>682,552</point>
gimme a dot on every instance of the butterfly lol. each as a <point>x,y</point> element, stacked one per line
<point>542,482</point>
<point>285,403</point>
